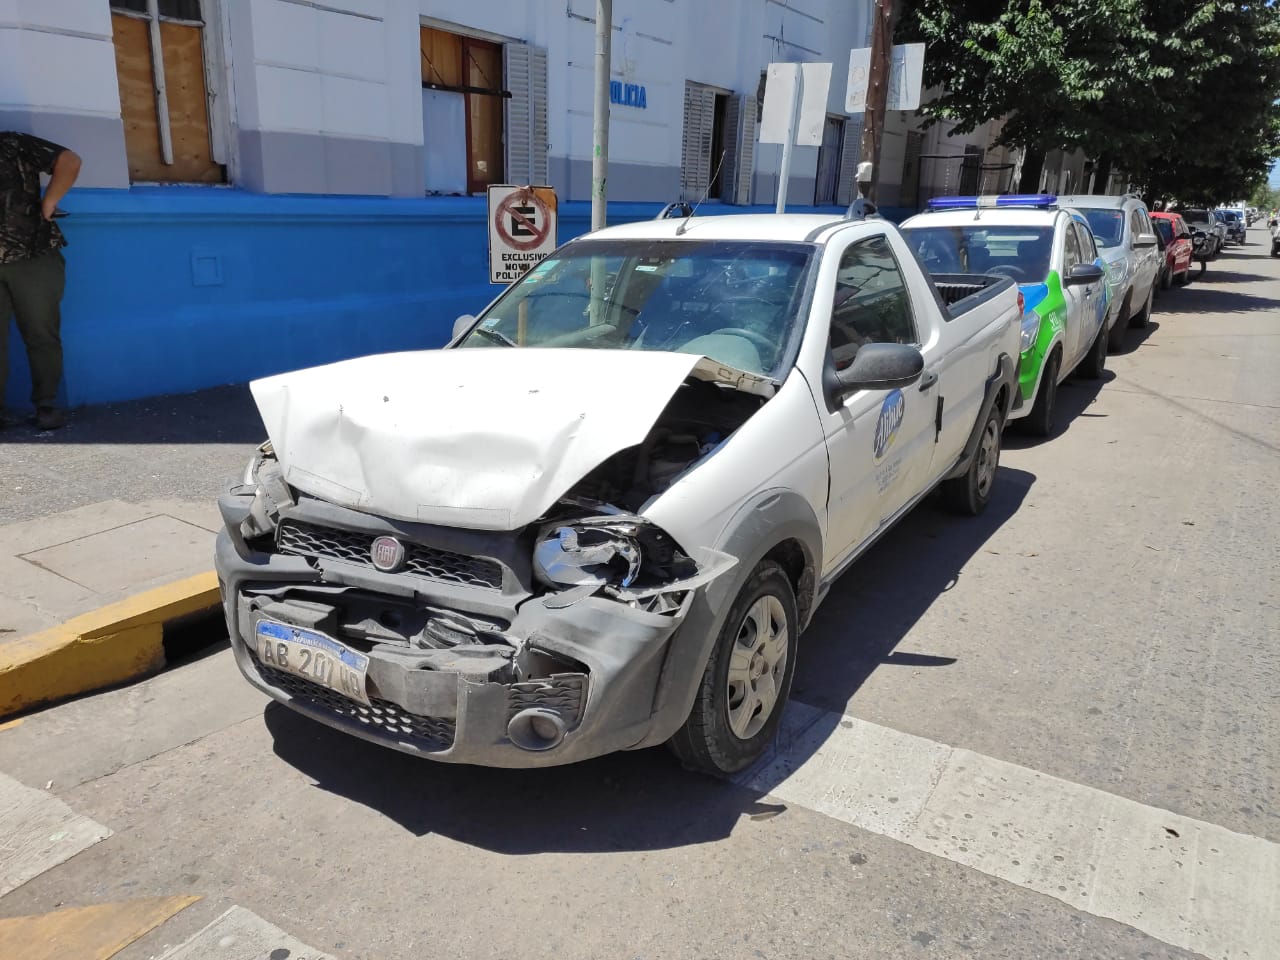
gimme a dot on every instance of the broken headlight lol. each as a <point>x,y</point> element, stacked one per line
<point>595,551</point>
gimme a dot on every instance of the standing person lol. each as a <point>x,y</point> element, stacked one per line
<point>32,271</point>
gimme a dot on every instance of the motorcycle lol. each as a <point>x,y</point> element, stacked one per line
<point>1201,249</point>
<point>1275,238</point>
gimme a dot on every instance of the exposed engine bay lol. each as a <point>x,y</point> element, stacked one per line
<point>699,417</point>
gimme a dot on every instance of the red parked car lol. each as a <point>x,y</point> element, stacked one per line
<point>1177,248</point>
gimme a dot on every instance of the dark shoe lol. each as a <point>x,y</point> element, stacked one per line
<point>50,418</point>
<point>8,420</point>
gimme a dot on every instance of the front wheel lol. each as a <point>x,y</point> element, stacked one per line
<point>971,492</point>
<point>1141,318</point>
<point>1040,420</point>
<point>1094,363</point>
<point>747,679</point>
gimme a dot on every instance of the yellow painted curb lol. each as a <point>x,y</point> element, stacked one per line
<point>110,645</point>
<point>96,932</point>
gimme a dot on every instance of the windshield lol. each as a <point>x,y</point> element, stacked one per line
<point>1197,216</point>
<point>1107,226</point>
<point>1231,215</point>
<point>1018,252</point>
<point>733,301</point>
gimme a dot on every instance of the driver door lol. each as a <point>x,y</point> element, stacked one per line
<point>880,443</point>
<point>1072,335</point>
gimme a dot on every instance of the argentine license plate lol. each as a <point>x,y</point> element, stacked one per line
<point>315,657</point>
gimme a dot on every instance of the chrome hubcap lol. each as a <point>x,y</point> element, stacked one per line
<point>988,457</point>
<point>757,665</point>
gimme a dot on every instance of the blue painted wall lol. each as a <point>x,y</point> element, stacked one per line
<point>173,289</point>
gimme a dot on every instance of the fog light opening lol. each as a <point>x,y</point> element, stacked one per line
<point>536,729</point>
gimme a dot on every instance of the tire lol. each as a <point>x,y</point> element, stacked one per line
<point>715,739</point>
<point>1115,338</point>
<point>1094,363</point>
<point>1039,422</point>
<point>1166,278</point>
<point>1185,277</point>
<point>1275,250</point>
<point>1143,317</point>
<point>970,493</point>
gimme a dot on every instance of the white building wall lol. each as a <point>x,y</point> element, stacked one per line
<point>58,81</point>
<point>327,96</point>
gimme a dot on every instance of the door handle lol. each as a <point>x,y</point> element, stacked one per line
<point>1088,292</point>
<point>927,380</point>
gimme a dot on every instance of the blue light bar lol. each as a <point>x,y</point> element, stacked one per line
<point>1037,201</point>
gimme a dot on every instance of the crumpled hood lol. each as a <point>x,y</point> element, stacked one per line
<point>486,438</point>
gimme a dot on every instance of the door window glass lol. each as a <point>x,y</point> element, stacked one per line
<point>1072,256</point>
<point>871,302</point>
<point>1088,252</point>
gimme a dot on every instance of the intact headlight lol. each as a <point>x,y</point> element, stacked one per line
<point>1030,330</point>
<point>595,551</point>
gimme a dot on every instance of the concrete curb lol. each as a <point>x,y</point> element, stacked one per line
<point>110,645</point>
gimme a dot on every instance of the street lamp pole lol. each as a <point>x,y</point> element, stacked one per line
<point>600,117</point>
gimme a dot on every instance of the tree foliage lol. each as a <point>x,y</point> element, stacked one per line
<point>1180,95</point>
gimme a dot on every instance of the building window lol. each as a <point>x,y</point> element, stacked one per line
<point>462,96</point>
<point>164,92</point>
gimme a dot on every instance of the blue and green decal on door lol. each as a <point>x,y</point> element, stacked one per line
<point>892,411</point>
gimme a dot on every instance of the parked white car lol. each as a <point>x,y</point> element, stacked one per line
<point>600,518</point>
<point>1126,239</point>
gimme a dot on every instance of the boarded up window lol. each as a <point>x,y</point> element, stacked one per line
<point>695,145</point>
<point>740,139</point>
<point>181,59</point>
<point>472,67</point>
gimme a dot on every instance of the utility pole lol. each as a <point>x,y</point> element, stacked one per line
<point>882,17</point>
<point>600,117</point>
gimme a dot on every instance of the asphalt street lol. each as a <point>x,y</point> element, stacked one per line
<point>1097,653</point>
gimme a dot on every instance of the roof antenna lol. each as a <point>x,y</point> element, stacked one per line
<point>685,225</point>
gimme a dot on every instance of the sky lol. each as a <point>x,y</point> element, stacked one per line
<point>1274,180</point>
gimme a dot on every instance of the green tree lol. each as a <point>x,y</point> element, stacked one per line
<point>1126,81</point>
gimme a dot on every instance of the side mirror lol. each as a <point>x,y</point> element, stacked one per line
<point>1145,240</point>
<point>1083,273</point>
<point>462,325</point>
<point>877,366</point>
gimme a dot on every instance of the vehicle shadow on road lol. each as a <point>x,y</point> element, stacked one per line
<point>1075,396</point>
<point>643,800</point>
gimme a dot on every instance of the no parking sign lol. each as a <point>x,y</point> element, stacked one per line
<point>522,230</point>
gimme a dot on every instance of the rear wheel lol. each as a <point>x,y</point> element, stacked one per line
<point>747,679</point>
<point>971,492</point>
<point>1166,278</point>
<point>1040,420</point>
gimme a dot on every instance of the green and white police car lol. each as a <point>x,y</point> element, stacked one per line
<point>1050,252</point>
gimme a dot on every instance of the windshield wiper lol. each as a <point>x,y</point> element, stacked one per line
<point>493,336</point>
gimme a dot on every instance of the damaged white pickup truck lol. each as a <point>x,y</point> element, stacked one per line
<point>601,517</point>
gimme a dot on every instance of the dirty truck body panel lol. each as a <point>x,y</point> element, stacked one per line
<point>524,555</point>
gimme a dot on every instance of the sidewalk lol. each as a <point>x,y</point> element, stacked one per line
<point>121,502</point>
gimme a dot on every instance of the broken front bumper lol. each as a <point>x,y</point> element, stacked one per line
<point>445,704</point>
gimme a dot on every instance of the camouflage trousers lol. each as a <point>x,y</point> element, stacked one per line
<point>31,292</point>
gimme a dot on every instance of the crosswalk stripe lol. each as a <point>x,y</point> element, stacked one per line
<point>37,832</point>
<point>96,932</point>
<point>1189,883</point>
<point>240,934</point>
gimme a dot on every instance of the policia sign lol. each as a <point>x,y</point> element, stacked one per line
<point>522,230</point>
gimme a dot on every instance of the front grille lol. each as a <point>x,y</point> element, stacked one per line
<point>429,733</point>
<point>561,692</point>
<point>430,563</point>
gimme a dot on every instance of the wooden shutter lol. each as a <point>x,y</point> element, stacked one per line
<point>526,113</point>
<point>695,147</point>
<point>739,167</point>
<point>850,153</point>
